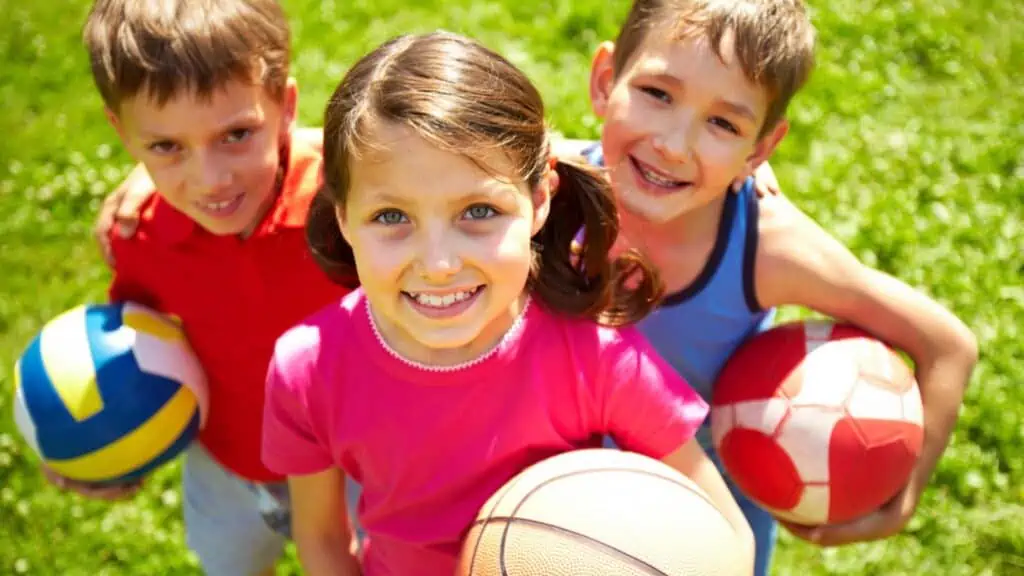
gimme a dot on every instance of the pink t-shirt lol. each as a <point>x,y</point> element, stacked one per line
<point>431,445</point>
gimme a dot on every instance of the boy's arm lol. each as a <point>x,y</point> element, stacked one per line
<point>322,536</point>
<point>798,263</point>
<point>691,461</point>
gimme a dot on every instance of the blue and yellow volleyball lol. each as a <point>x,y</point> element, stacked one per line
<point>107,393</point>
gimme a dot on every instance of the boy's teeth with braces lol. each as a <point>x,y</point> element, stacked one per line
<point>656,179</point>
<point>435,301</point>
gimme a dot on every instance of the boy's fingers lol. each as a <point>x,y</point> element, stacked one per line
<point>874,526</point>
<point>119,492</point>
<point>118,213</point>
<point>100,231</point>
<point>54,478</point>
<point>127,214</point>
<point>111,493</point>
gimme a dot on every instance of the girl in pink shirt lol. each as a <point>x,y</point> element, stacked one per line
<point>474,348</point>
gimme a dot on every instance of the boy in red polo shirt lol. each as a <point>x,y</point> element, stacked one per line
<point>199,93</point>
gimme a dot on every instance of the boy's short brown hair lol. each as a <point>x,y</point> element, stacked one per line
<point>773,39</point>
<point>162,47</point>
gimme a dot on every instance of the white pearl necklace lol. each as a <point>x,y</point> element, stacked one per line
<point>512,332</point>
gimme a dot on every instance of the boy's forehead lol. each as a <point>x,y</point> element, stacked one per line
<point>681,58</point>
<point>229,104</point>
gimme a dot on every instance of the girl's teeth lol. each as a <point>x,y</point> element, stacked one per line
<point>436,301</point>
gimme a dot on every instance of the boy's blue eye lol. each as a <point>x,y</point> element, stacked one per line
<point>390,217</point>
<point>480,212</point>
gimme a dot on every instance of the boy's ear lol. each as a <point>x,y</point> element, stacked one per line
<point>602,77</point>
<point>765,147</point>
<point>290,106</point>
<point>115,122</point>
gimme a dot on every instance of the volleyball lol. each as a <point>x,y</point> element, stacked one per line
<point>108,393</point>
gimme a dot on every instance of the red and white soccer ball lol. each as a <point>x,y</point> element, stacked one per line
<point>817,421</point>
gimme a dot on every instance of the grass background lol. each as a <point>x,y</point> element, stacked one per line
<point>908,145</point>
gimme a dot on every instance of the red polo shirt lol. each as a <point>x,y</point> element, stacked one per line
<point>234,297</point>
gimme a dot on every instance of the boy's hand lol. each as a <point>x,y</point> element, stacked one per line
<point>121,209</point>
<point>887,521</point>
<point>109,493</point>
<point>765,182</point>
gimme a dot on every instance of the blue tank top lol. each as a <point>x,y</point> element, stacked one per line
<point>697,328</point>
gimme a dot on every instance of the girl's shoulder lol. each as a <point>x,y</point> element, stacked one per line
<point>585,338</point>
<point>329,328</point>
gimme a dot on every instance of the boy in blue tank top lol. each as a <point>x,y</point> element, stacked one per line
<point>693,95</point>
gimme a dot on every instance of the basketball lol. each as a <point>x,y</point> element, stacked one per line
<point>818,422</point>
<point>107,393</point>
<point>600,512</point>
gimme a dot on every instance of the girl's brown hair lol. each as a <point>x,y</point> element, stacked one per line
<point>466,99</point>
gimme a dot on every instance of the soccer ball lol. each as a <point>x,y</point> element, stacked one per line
<point>107,393</point>
<point>817,422</point>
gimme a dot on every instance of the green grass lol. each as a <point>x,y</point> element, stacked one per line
<point>908,145</point>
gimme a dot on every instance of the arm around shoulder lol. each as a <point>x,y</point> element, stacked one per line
<point>798,263</point>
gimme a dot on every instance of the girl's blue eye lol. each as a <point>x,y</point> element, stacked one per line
<point>390,217</point>
<point>480,212</point>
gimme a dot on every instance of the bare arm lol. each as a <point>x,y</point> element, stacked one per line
<point>691,461</point>
<point>320,524</point>
<point>799,263</point>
